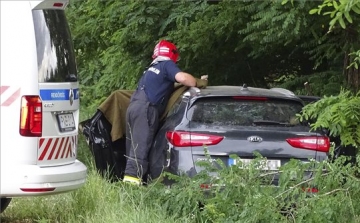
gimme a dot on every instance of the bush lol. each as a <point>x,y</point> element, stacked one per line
<point>234,194</point>
<point>339,114</point>
<point>246,195</point>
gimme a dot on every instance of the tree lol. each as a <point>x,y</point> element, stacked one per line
<point>341,114</point>
<point>234,42</point>
<point>344,19</point>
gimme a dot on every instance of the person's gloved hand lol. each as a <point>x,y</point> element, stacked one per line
<point>202,82</point>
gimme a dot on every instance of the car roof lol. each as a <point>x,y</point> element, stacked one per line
<point>228,90</point>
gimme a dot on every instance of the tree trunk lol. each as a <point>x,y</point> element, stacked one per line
<point>351,75</point>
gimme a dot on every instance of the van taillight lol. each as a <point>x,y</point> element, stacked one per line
<point>31,116</point>
<point>183,139</point>
<point>321,144</point>
<point>38,190</point>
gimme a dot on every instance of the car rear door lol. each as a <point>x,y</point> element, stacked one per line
<point>242,126</point>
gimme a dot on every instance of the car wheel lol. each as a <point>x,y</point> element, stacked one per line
<point>4,203</point>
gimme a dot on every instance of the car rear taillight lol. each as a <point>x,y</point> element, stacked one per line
<point>312,143</point>
<point>31,116</point>
<point>205,186</point>
<point>310,190</point>
<point>182,139</point>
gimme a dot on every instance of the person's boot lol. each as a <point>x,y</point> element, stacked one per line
<point>132,180</point>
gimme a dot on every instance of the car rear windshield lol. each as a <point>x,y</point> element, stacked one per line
<point>232,112</point>
<point>55,53</point>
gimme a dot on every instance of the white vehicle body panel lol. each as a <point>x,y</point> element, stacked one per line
<point>29,165</point>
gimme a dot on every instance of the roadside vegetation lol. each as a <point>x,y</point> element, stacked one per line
<point>293,42</point>
<point>247,197</point>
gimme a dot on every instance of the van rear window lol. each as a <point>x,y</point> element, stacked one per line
<point>55,52</point>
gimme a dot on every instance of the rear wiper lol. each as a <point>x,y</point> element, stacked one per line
<point>71,78</point>
<point>266,122</point>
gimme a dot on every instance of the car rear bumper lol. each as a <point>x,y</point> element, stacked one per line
<point>31,180</point>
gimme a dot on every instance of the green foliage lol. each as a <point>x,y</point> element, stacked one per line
<point>274,25</point>
<point>356,62</point>
<point>339,114</point>
<point>239,193</point>
<point>322,83</point>
<point>111,43</point>
<point>234,42</point>
<point>339,11</point>
<point>244,194</point>
<point>346,14</point>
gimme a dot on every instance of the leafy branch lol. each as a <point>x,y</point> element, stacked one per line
<point>356,61</point>
<point>339,11</point>
<point>339,114</point>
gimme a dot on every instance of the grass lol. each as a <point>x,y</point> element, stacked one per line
<point>97,201</point>
<point>101,201</point>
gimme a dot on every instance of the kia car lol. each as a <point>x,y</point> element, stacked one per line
<point>237,120</point>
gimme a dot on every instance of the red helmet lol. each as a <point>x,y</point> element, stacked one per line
<point>166,49</point>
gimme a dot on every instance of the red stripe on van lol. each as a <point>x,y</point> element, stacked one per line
<point>68,154</point>
<point>64,148</point>
<point>59,148</point>
<point>12,98</point>
<point>46,149</point>
<point>3,89</point>
<point>74,145</point>
<point>41,142</point>
<point>53,148</point>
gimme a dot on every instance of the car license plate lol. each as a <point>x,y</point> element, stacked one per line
<point>66,122</point>
<point>264,164</point>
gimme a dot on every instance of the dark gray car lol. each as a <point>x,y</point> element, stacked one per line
<point>234,120</point>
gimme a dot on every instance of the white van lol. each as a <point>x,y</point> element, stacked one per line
<point>39,93</point>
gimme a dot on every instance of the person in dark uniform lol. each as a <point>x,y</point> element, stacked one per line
<point>147,104</point>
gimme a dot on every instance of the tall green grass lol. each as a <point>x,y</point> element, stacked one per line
<point>247,197</point>
<point>98,201</point>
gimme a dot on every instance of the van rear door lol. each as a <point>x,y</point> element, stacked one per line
<point>58,85</point>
